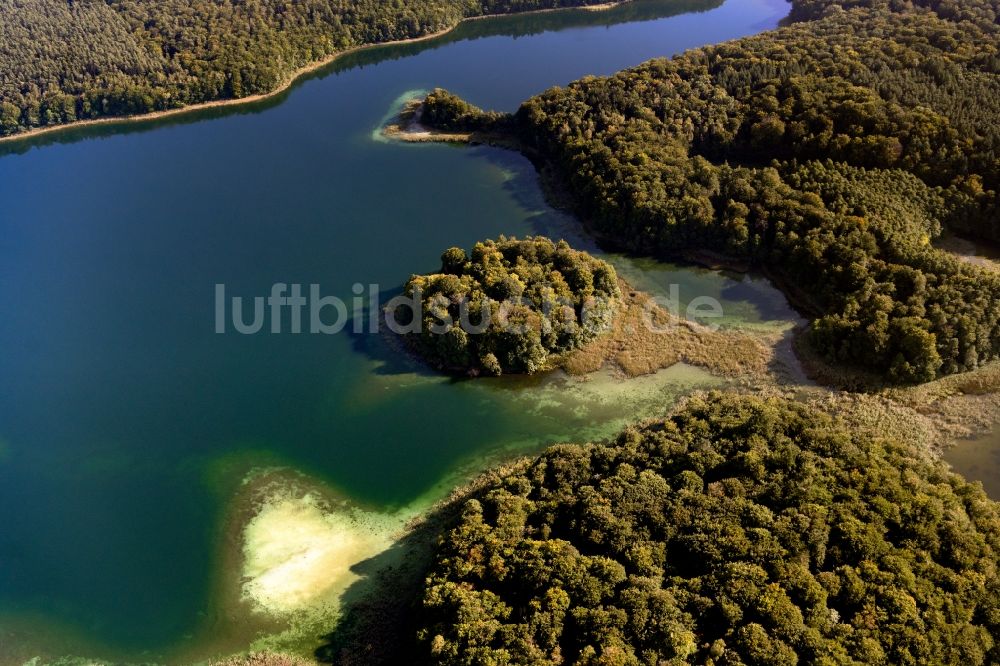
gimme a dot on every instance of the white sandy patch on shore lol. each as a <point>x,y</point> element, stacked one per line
<point>298,552</point>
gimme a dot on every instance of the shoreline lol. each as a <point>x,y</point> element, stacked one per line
<point>408,128</point>
<point>285,85</point>
<point>960,404</point>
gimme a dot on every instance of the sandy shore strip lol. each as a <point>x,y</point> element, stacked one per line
<point>409,128</point>
<point>284,86</point>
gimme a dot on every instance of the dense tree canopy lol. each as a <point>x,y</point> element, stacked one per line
<point>446,111</point>
<point>509,305</point>
<point>66,60</point>
<point>740,531</point>
<point>831,152</point>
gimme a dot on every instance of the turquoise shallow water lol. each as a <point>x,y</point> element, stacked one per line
<point>124,419</point>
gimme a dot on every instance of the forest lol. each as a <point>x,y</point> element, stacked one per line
<point>831,153</point>
<point>739,531</point>
<point>68,60</point>
<point>509,305</point>
<point>445,111</point>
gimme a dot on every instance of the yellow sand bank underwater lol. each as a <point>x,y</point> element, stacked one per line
<point>298,552</point>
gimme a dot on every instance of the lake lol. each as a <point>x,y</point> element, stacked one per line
<point>127,424</point>
<point>978,459</point>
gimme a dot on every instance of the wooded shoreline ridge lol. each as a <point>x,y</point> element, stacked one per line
<point>740,531</point>
<point>72,60</point>
<point>831,152</point>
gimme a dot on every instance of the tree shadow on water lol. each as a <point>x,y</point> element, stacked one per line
<point>391,354</point>
<point>381,345</point>
<point>382,610</point>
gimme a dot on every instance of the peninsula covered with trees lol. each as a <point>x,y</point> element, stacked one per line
<point>832,153</point>
<point>739,531</point>
<point>510,305</point>
<point>70,60</point>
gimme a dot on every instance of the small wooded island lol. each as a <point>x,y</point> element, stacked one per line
<point>510,305</point>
